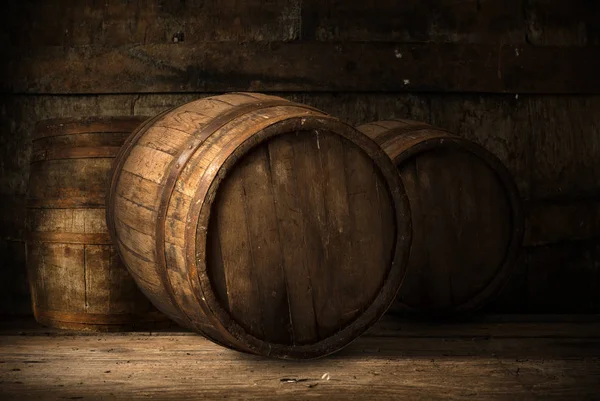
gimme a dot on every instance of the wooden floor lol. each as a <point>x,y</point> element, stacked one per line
<point>482,360</point>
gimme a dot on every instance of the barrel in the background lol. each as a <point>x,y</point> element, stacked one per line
<point>268,226</point>
<point>76,278</point>
<point>466,216</point>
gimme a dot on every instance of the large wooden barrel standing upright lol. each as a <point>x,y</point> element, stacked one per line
<point>466,216</point>
<point>268,226</point>
<point>76,277</point>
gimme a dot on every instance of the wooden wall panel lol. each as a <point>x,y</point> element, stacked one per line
<point>554,278</point>
<point>125,22</point>
<point>301,66</point>
<point>565,135</point>
<point>564,278</point>
<point>562,23</point>
<point>562,220</point>
<point>448,21</point>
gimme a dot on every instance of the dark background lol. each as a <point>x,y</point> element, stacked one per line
<point>520,77</point>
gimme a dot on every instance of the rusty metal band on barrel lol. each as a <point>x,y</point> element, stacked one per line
<point>175,170</point>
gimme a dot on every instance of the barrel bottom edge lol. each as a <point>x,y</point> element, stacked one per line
<point>102,322</point>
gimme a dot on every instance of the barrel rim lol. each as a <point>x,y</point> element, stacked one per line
<point>199,217</point>
<point>439,139</point>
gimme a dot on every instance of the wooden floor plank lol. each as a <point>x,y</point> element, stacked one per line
<point>387,364</point>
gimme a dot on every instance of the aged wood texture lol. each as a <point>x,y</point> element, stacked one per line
<point>445,21</point>
<point>551,284</point>
<point>247,218</point>
<point>554,22</point>
<point>466,213</point>
<point>115,23</point>
<point>77,279</point>
<point>292,66</point>
<point>558,220</point>
<point>503,124</point>
<point>479,361</point>
<point>75,23</point>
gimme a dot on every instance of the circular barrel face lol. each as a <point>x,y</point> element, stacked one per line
<point>465,212</point>
<point>301,237</point>
<point>462,228</point>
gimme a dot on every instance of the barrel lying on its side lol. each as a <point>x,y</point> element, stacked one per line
<point>77,280</point>
<point>466,216</point>
<point>268,226</point>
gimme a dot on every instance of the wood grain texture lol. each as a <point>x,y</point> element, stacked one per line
<point>480,361</point>
<point>440,21</point>
<point>234,194</point>
<point>553,22</point>
<point>292,66</point>
<point>556,221</point>
<point>503,124</point>
<point>466,212</point>
<point>77,279</point>
<point>73,23</point>
<point>566,165</point>
<point>559,273</point>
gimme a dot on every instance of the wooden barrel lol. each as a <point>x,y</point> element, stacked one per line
<point>265,225</point>
<point>77,280</point>
<point>466,217</point>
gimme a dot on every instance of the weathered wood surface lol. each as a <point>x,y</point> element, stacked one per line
<point>466,217</point>
<point>385,365</point>
<point>557,221</point>
<point>443,21</point>
<point>77,279</point>
<point>263,224</point>
<point>302,66</point>
<point>74,23</point>
<point>560,200</point>
<point>538,22</point>
<point>554,22</point>
<point>551,284</point>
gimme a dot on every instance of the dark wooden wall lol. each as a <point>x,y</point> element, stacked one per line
<point>521,77</point>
